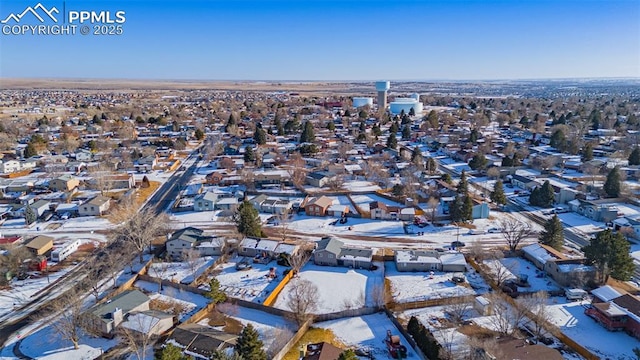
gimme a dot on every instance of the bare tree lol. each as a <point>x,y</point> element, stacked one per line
<point>139,228</point>
<point>457,309</point>
<point>433,204</point>
<point>191,257</point>
<point>137,334</point>
<point>159,270</point>
<point>281,336</point>
<point>297,171</point>
<point>540,315</point>
<point>298,259</point>
<point>493,172</point>
<point>506,318</point>
<point>497,270</point>
<point>477,251</point>
<point>303,299</point>
<point>514,231</point>
<point>69,322</point>
<point>283,223</point>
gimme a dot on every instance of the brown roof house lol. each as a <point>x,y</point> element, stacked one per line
<point>318,206</point>
<point>64,183</point>
<point>40,245</point>
<point>321,351</point>
<point>97,206</point>
<point>202,340</point>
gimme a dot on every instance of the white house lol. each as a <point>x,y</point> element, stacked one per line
<point>95,207</point>
<point>205,202</point>
<point>62,252</point>
<point>9,166</point>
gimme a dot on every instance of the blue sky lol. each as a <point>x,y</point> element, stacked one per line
<point>338,40</point>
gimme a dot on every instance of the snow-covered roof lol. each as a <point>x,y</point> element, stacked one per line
<point>605,293</point>
<point>575,268</point>
<point>453,259</point>
<point>537,252</point>
<point>260,244</point>
<point>338,208</point>
<point>408,211</point>
<point>416,256</point>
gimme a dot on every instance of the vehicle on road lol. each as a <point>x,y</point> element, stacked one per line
<point>457,244</point>
<point>494,230</point>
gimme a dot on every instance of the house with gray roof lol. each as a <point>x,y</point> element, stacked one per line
<point>193,238</point>
<point>105,317</point>
<point>205,201</point>
<point>332,252</point>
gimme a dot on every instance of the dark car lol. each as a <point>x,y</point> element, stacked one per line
<point>457,244</point>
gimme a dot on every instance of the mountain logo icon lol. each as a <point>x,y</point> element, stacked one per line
<point>35,12</point>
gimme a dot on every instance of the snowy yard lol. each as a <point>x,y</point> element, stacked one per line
<point>21,291</point>
<point>511,268</point>
<point>339,288</point>
<point>274,331</point>
<point>573,322</point>
<point>189,301</point>
<point>252,284</point>
<point>181,272</point>
<point>46,344</point>
<point>366,332</point>
<point>418,286</point>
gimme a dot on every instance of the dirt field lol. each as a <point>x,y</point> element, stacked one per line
<point>308,88</point>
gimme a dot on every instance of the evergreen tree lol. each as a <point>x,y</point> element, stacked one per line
<point>416,156</point>
<point>634,157</point>
<point>249,155</point>
<point>170,352</point>
<point>347,113</point>
<point>466,213</point>
<point>215,294</point>
<point>446,178</point>
<point>392,142</point>
<point>587,152</point>
<point>534,197</point>
<point>331,126</point>
<point>609,253</point>
<point>432,166</point>
<point>558,140</point>
<point>478,161</point>
<point>30,150</point>
<point>406,132</point>
<point>247,220</point>
<point>552,234</point>
<point>231,121</point>
<point>30,215</point>
<point>376,130</point>
<point>393,128</point>
<point>497,195</point>
<point>199,134</point>
<point>432,119</point>
<point>507,161</point>
<point>307,135</point>
<point>248,344</point>
<point>547,195</point>
<point>348,354</point>
<point>260,136</point>
<point>363,114</point>
<point>613,184</point>
<point>412,112</point>
<point>278,125</point>
<point>463,185</point>
<point>473,136</point>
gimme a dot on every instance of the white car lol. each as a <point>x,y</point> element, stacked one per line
<point>494,230</point>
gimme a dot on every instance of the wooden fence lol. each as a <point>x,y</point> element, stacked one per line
<point>406,335</point>
<point>271,299</point>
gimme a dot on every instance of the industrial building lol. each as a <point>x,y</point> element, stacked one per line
<point>359,102</point>
<point>406,104</point>
<point>382,87</point>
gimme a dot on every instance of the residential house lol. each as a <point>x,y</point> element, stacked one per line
<point>205,201</point>
<point>120,181</point>
<point>150,323</point>
<point>64,183</point>
<point>429,260</point>
<point>202,340</point>
<point>105,317</point>
<point>381,211</point>
<point>97,206</point>
<point>256,247</point>
<point>332,252</point>
<point>621,313</point>
<point>603,210</point>
<point>257,201</point>
<point>84,155</point>
<point>146,163</point>
<point>338,210</point>
<point>523,182</point>
<point>193,238</point>
<point>566,272</point>
<point>40,245</point>
<point>227,204</point>
<point>480,209</point>
<point>318,206</point>
<point>319,178</point>
<point>509,348</point>
<point>9,166</point>
<point>41,206</point>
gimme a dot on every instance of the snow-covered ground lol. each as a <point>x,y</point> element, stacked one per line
<point>417,286</point>
<point>356,185</point>
<point>22,291</point>
<point>518,266</point>
<point>190,301</point>
<point>252,284</point>
<point>366,332</point>
<point>46,344</point>
<point>273,330</point>
<point>181,271</point>
<point>339,288</point>
<point>573,322</point>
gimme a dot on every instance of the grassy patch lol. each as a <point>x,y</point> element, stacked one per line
<point>312,336</point>
<point>144,193</point>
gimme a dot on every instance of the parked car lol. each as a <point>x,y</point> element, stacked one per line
<point>575,294</point>
<point>457,244</point>
<point>494,230</point>
<point>560,210</point>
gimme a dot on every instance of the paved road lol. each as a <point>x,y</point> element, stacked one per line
<point>161,201</point>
